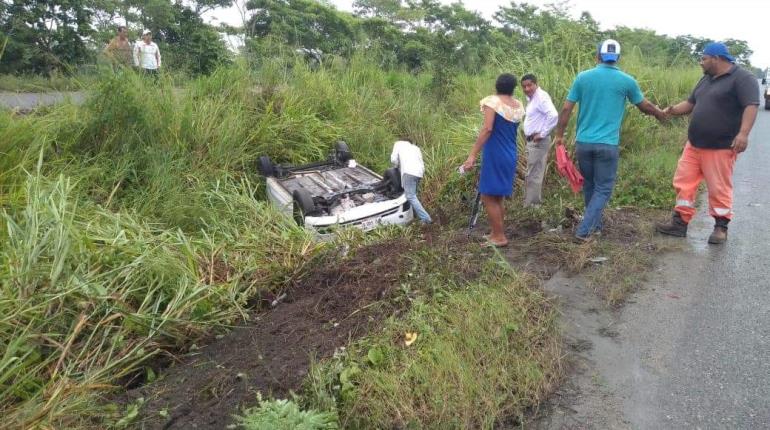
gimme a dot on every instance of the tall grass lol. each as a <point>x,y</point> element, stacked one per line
<point>136,223</point>
<point>88,295</point>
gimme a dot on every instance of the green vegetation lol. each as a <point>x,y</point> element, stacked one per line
<point>50,37</point>
<point>132,230</point>
<point>59,36</point>
<point>470,353</point>
<point>286,415</point>
<point>135,225</point>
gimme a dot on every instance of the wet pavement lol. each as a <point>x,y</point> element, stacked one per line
<point>691,349</point>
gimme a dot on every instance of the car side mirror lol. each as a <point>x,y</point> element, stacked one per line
<point>764,81</point>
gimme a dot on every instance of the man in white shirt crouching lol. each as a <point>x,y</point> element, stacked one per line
<point>540,120</point>
<point>408,158</point>
<point>147,54</point>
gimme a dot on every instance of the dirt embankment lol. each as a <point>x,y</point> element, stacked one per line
<point>272,353</point>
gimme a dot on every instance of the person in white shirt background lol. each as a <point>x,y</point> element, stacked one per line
<point>147,54</point>
<point>408,158</point>
<point>540,120</point>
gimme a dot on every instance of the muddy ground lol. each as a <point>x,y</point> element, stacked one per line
<point>272,353</point>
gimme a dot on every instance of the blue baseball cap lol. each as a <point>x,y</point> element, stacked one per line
<point>609,50</point>
<point>718,49</point>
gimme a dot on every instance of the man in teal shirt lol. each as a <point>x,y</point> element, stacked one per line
<point>601,93</point>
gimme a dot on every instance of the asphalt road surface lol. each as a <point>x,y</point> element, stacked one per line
<point>27,101</point>
<point>691,350</point>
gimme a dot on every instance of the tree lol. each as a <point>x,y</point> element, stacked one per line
<point>530,22</point>
<point>186,41</point>
<point>389,10</point>
<point>194,46</point>
<point>44,36</point>
<point>303,24</point>
<point>740,50</point>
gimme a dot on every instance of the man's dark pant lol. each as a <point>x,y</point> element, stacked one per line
<point>151,73</point>
<point>599,166</point>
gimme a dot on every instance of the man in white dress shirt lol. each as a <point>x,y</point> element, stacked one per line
<point>147,54</point>
<point>540,120</point>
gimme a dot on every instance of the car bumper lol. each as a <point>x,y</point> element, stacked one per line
<point>367,217</point>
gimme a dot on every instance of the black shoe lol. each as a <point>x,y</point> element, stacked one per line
<point>676,227</point>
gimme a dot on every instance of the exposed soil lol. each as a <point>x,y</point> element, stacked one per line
<point>337,302</point>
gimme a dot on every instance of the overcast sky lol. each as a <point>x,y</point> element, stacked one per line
<point>748,20</point>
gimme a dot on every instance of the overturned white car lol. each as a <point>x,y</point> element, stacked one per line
<point>337,192</point>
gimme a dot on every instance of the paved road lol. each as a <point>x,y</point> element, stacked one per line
<point>712,369</point>
<point>692,349</point>
<point>26,101</point>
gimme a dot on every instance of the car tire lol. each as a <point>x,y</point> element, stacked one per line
<point>266,166</point>
<point>302,205</point>
<point>393,177</point>
<point>342,153</point>
<point>767,104</point>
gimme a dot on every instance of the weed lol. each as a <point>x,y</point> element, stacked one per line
<point>285,415</point>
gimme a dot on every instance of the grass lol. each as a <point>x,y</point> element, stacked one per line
<point>135,223</point>
<point>89,295</point>
<point>630,254</point>
<point>483,349</point>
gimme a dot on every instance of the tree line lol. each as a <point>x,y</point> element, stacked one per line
<point>44,37</point>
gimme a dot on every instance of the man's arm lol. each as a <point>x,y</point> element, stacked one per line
<point>650,109</point>
<point>157,56</point>
<point>741,141</point>
<point>394,154</point>
<point>747,92</point>
<point>681,108</point>
<point>561,124</point>
<point>108,50</point>
<point>551,118</point>
<point>136,54</point>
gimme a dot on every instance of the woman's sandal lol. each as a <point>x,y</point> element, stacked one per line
<point>490,244</point>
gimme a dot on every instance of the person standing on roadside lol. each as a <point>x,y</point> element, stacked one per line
<point>497,140</point>
<point>408,158</point>
<point>119,49</point>
<point>147,55</point>
<point>540,119</point>
<point>722,108</point>
<point>601,93</point>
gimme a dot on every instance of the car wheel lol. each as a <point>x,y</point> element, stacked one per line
<point>767,104</point>
<point>303,204</point>
<point>393,177</point>
<point>266,167</point>
<point>342,153</point>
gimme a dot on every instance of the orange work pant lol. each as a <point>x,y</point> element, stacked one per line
<point>713,165</point>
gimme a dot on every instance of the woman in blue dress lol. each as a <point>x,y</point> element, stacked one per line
<point>497,139</point>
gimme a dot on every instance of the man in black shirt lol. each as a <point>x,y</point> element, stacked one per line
<point>723,107</point>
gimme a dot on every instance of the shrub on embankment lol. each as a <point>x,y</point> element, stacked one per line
<point>130,224</point>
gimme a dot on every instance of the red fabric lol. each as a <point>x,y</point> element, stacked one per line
<point>567,169</point>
